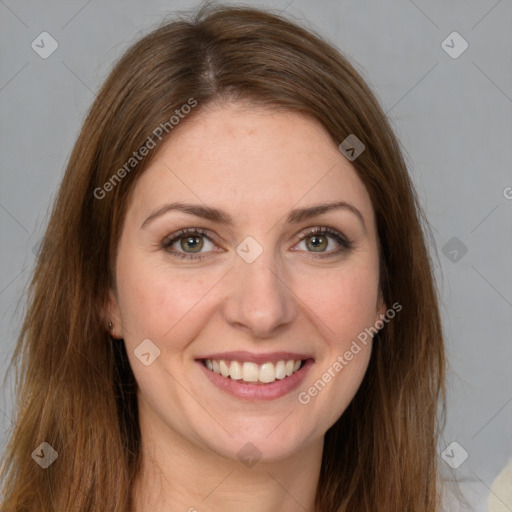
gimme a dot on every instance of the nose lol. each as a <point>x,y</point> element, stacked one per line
<point>260,300</point>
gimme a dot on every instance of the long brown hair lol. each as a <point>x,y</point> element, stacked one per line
<point>74,386</point>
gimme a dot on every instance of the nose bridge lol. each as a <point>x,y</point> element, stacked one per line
<point>260,299</point>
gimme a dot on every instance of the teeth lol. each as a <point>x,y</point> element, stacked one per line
<point>280,370</point>
<point>224,370</point>
<point>235,370</point>
<point>267,373</point>
<point>252,372</point>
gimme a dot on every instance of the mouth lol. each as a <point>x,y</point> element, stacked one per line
<point>256,377</point>
<point>249,372</point>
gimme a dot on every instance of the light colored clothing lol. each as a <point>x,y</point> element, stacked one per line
<point>500,497</point>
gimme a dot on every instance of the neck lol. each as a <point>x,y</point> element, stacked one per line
<point>177,474</point>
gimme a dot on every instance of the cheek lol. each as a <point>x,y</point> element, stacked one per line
<point>344,301</point>
<point>158,302</point>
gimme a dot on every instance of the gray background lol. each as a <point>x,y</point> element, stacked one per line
<point>452,115</point>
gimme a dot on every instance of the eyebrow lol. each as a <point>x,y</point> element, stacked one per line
<point>214,214</point>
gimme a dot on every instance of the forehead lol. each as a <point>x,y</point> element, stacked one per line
<point>243,158</point>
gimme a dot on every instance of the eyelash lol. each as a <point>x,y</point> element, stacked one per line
<point>344,243</point>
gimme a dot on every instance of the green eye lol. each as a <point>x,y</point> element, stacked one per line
<point>195,243</point>
<point>187,243</point>
<point>317,243</point>
<point>316,240</point>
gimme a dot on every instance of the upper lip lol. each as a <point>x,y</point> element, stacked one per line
<point>241,355</point>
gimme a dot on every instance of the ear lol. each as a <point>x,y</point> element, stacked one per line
<point>112,314</point>
<point>381,307</point>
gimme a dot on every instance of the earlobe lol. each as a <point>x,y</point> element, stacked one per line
<point>113,316</point>
<point>382,309</point>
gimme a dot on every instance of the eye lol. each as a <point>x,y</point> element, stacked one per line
<point>188,243</point>
<point>317,240</point>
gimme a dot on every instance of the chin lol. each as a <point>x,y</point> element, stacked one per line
<point>268,441</point>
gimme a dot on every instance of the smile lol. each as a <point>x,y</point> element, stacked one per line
<point>250,376</point>
<point>251,372</point>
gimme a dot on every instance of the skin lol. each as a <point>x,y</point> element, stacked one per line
<point>257,165</point>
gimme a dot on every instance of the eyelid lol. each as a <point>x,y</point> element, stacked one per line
<point>325,230</point>
<point>344,243</point>
<point>181,233</point>
<point>169,240</point>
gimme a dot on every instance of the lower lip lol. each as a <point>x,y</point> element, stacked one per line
<point>270,391</point>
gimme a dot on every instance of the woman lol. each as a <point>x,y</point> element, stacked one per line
<point>233,307</point>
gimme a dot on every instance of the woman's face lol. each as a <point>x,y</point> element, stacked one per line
<point>246,290</point>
